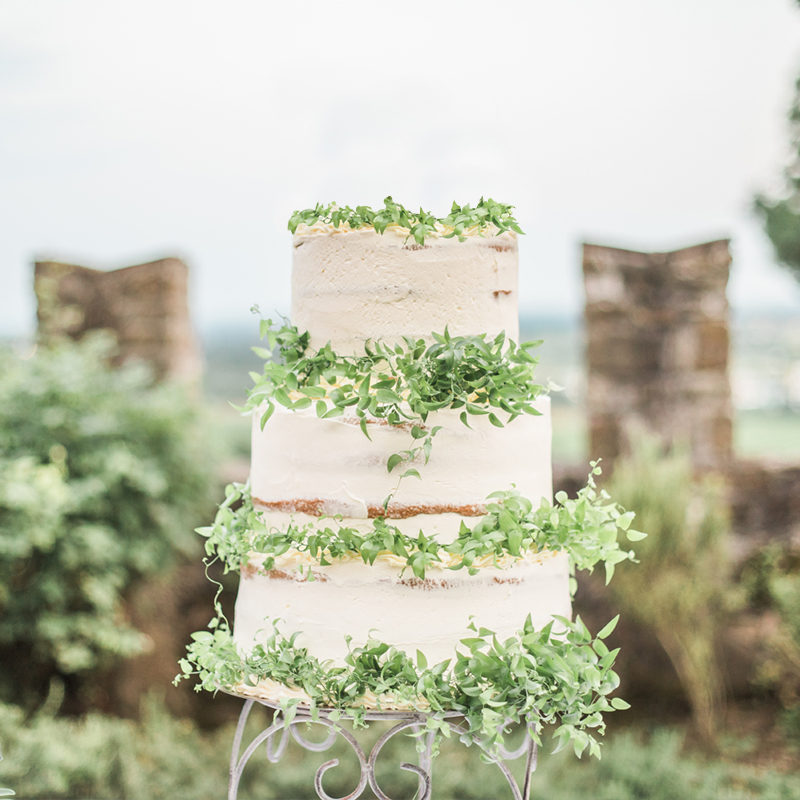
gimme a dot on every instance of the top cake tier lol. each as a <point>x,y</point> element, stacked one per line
<point>349,286</point>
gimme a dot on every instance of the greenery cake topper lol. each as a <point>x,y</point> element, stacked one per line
<point>557,678</point>
<point>487,215</point>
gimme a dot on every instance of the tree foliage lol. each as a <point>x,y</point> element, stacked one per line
<point>102,479</point>
<point>781,215</point>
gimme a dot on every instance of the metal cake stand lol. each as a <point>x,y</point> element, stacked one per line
<point>275,738</point>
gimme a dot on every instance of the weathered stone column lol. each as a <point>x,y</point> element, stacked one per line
<point>657,349</point>
<point>146,306</point>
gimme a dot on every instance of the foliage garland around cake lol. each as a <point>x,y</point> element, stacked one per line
<point>561,679</point>
<point>401,383</point>
<point>486,216</point>
<point>587,527</point>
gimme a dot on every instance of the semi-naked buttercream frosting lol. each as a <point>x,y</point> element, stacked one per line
<point>350,287</point>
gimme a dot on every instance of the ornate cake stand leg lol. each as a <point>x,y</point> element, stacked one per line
<point>234,775</point>
<point>362,762</point>
<point>238,763</point>
<point>425,785</point>
<point>425,757</point>
<point>529,750</point>
<point>501,756</point>
<point>531,759</point>
<point>274,753</point>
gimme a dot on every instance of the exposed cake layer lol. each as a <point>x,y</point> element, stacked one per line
<point>349,598</point>
<point>442,527</point>
<point>301,463</point>
<point>349,286</point>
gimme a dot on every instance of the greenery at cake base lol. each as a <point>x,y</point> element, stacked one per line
<point>562,679</point>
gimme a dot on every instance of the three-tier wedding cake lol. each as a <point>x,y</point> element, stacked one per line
<point>350,287</point>
<point>398,543</point>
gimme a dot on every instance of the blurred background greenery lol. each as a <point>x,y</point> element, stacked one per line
<point>104,474</point>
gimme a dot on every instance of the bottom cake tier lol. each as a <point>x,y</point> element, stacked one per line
<point>341,606</point>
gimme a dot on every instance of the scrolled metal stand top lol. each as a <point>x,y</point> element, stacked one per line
<point>276,738</point>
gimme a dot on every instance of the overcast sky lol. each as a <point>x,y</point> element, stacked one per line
<point>129,131</point>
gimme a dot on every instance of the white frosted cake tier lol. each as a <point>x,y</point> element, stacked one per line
<point>349,286</point>
<point>301,463</point>
<point>349,598</point>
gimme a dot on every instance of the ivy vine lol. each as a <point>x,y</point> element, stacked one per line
<point>587,527</point>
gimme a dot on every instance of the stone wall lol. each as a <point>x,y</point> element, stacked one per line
<point>657,349</point>
<point>146,306</point>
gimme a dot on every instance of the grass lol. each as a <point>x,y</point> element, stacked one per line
<point>767,433</point>
<point>763,433</point>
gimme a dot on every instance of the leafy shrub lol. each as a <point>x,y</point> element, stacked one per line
<point>162,757</point>
<point>102,479</point>
<point>772,580</point>
<point>680,587</point>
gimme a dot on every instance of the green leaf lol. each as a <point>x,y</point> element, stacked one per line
<point>283,398</point>
<point>267,414</point>
<point>387,396</point>
<point>393,461</point>
<point>608,629</point>
<point>619,704</point>
<point>625,520</point>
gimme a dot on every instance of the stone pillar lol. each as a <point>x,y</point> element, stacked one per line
<point>146,306</point>
<point>657,349</point>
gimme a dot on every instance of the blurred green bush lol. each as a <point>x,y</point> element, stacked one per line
<point>682,587</point>
<point>103,477</point>
<point>772,582</point>
<point>161,757</point>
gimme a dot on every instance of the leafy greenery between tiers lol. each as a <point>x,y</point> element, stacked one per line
<point>586,527</point>
<point>552,678</point>
<point>487,215</point>
<point>401,383</point>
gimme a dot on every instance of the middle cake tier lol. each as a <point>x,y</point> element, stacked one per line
<point>307,465</point>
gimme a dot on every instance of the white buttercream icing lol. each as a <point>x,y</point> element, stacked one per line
<point>351,286</point>
<point>432,615</point>
<point>300,457</point>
